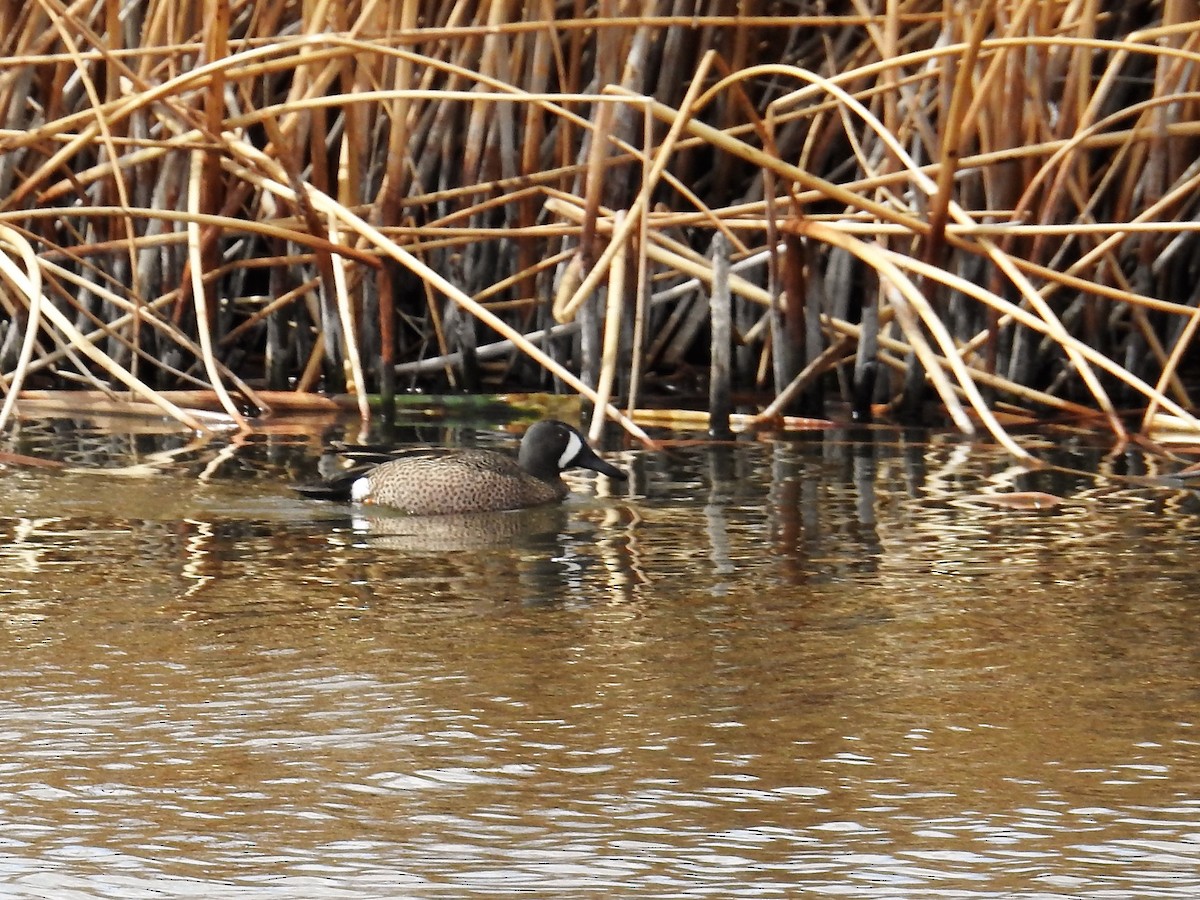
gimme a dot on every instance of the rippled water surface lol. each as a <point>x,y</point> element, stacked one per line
<point>804,664</point>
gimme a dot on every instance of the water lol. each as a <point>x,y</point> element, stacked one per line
<point>807,665</point>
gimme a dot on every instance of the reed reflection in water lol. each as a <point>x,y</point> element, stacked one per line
<point>772,666</point>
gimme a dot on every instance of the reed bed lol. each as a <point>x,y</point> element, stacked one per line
<point>986,210</point>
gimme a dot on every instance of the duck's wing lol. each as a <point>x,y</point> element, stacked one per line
<point>377,454</point>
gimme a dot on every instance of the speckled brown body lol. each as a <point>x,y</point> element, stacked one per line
<point>437,481</point>
<point>461,481</point>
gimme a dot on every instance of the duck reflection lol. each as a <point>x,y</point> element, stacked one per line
<point>458,531</point>
<point>528,555</point>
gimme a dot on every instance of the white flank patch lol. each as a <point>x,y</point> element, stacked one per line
<point>360,490</point>
<point>574,445</point>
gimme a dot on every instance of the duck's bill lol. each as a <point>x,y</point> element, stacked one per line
<point>589,460</point>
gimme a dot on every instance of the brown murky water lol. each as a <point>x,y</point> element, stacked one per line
<point>779,667</point>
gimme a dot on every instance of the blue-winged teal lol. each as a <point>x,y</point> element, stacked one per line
<point>430,481</point>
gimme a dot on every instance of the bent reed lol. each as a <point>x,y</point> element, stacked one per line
<point>986,209</point>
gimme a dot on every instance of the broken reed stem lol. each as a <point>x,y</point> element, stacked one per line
<point>346,315</point>
<point>720,391</point>
<point>196,267</point>
<point>614,303</point>
<point>828,358</point>
<point>28,282</point>
<point>642,287</point>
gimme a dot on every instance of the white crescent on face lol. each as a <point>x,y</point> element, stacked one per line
<point>574,445</point>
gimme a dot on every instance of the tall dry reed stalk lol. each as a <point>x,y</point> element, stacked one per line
<point>993,205</point>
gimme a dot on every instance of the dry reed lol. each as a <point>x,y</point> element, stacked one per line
<point>974,203</point>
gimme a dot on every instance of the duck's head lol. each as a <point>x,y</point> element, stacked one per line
<point>550,447</point>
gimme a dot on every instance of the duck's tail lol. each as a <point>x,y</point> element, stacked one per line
<point>336,488</point>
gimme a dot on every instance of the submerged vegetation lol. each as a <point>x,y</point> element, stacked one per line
<point>990,205</point>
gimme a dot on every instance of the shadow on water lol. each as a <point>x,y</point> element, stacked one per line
<point>792,663</point>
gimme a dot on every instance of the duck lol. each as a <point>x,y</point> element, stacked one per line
<point>431,481</point>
